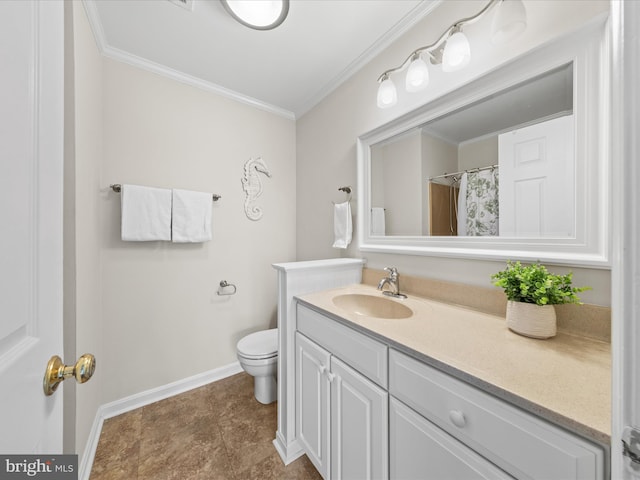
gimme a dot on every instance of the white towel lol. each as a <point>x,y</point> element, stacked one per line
<point>342,226</point>
<point>462,206</point>
<point>146,213</point>
<point>191,216</point>
<point>377,221</point>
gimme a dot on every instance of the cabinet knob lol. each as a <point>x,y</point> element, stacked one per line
<point>457,418</point>
<point>331,376</point>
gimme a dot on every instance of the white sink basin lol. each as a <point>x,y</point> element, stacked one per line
<point>372,306</point>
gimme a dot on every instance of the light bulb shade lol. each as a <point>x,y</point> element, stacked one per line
<point>509,21</point>
<point>258,14</point>
<point>417,76</point>
<point>457,53</point>
<point>387,94</point>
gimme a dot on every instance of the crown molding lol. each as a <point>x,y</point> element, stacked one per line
<point>91,10</point>
<point>119,55</point>
<point>406,23</point>
<point>403,26</point>
<point>134,60</point>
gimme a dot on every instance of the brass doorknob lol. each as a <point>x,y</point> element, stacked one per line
<point>57,372</point>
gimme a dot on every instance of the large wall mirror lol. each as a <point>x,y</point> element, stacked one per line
<point>512,165</point>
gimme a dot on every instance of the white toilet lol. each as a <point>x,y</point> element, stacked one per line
<point>258,356</point>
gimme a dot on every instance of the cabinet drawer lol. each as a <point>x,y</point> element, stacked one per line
<point>417,446</point>
<point>521,444</point>
<point>367,356</point>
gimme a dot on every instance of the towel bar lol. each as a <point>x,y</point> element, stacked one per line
<point>116,187</point>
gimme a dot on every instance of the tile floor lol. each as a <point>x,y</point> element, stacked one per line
<point>218,431</point>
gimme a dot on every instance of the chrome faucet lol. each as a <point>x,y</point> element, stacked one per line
<point>393,283</point>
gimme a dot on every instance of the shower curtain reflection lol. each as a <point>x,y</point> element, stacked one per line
<point>482,203</point>
<point>443,209</point>
<point>468,206</point>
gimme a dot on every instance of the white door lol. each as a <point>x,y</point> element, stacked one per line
<point>359,426</point>
<point>536,180</point>
<point>312,402</point>
<point>31,166</point>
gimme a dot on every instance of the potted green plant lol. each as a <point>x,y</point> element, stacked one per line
<point>532,291</point>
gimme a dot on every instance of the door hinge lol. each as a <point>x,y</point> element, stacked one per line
<point>631,449</point>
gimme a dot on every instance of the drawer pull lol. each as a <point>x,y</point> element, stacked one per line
<point>457,418</point>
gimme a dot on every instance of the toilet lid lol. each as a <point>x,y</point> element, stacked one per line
<point>259,344</point>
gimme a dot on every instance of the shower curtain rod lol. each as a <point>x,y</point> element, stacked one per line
<point>471,170</point>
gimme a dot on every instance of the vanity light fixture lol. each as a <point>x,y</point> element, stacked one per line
<point>417,76</point>
<point>509,21</point>
<point>457,52</point>
<point>258,14</point>
<point>452,49</point>
<point>387,94</point>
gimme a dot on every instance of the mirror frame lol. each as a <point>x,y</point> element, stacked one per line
<point>587,49</point>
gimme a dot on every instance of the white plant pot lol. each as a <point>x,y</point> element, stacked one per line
<point>531,320</point>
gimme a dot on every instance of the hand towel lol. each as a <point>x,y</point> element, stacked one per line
<point>462,206</point>
<point>377,221</point>
<point>146,213</point>
<point>342,226</point>
<point>191,222</point>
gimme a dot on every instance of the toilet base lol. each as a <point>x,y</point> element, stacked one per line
<point>265,389</point>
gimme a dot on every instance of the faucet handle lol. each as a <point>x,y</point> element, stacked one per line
<point>393,271</point>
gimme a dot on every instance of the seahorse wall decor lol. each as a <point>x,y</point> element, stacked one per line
<point>252,186</point>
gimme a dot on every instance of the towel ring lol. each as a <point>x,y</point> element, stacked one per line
<point>224,284</point>
<point>346,190</point>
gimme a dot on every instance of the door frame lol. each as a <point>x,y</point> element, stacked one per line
<point>625,274</point>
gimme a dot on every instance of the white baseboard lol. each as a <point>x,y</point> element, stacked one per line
<point>141,399</point>
<point>86,461</point>
<point>288,453</point>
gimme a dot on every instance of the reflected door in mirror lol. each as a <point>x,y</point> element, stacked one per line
<point>537,180</point>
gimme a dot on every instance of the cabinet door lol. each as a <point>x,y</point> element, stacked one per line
<point>312,402</point>
<point>359,426</point>
<point>420,450</point>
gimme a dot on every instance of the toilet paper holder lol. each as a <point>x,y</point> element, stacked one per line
<point>224,288</point>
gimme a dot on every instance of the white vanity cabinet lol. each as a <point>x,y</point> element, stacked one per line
<point>524,446</point>
<point>341,415</point>
<point>367,410</point>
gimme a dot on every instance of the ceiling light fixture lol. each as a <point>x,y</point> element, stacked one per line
<point>258,14</point>
<point>452,49</point>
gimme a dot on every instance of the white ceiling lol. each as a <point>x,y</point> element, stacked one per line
<point>287,70</point>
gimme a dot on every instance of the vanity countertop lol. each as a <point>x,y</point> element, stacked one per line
<point>565,379</point>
